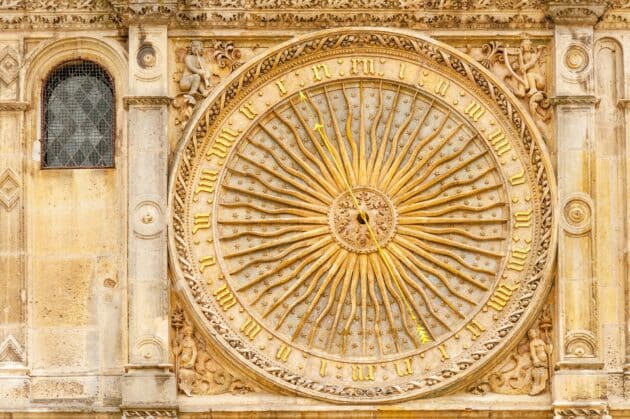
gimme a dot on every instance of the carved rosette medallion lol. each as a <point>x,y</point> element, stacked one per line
<point>363,216</point>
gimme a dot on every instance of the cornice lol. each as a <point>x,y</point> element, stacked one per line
<point>576,12</point>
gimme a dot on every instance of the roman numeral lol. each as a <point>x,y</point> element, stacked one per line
<point>475,329</point>
<point>248,110</point>
<point>202,222</point>
<point>367,66</point>
<point>517,260</point>
<point>474,110</point>
<point>224,297</point>
<point>223,143</point>
<point>443,354</point>
<point>281,87</point>
<point>250,328</point>
<point>523,219</point>
<point>363,373</point>
<point>501,296</point>
<point>518,179</point>
<point>404,368</point>
<point>442,87</point>
<point>318,70</point>
<point>206,262</point>
<point>499,142</point>
<point>283,353</point>
<point>206,181</point>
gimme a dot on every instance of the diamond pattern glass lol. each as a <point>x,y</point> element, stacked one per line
<point>78,115</point>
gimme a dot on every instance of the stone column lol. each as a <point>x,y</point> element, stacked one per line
<point>14,383</point>
<point>579,385</point>
<point>149,383</point>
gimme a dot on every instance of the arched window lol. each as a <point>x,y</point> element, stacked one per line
<point>78,117</point>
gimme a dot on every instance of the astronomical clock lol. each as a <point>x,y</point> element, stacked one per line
<point>362,216</point>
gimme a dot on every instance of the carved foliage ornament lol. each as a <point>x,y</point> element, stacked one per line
<point>363,216</point>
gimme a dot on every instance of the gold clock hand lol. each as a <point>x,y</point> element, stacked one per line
<point>319,128</point>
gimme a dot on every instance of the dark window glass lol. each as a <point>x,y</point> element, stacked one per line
<point>78,117</point>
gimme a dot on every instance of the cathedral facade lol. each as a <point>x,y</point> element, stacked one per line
<point>314,208</point>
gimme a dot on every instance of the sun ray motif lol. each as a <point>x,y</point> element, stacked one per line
<point>295,213</point>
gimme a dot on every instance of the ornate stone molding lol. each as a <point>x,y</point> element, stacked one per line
<point>13,106</point>
<point>582,100</point>
<point>527,370</point>
<point>576,12</point>
<point>198,370</point>
<point>581,410</point>
<point>146,100</point>
<point>419,14</point>
<point>149,413</point>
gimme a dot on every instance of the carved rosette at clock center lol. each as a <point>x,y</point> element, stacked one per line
<point>363,223</point>
<point>350,228</point>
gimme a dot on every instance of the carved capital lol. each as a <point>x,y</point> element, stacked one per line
<point>576,12</point>
<point>145,11</point>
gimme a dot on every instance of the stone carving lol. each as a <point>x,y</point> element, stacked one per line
<point>577,410</point>
<point>577,213</point>
<point>576,58</point>
<point>524,69</point>
<point>198,372</point>
<point>11,351</point>
<point>9,189</point>
<point>527,370</point>
<point>151,413</point>
<point>284,14</point>
<point>302,50</point>
<point>576,12</point>
<point>9,65</point>
<point>199,70</point>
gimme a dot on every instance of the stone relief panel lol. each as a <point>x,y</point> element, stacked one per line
<point>200,65</point>
<point>525,67</point>
<point>528,369</point>
<point>9,69</point>
<point>199,371</point>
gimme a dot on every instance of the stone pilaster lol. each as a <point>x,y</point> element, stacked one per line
<point>14,383</point>
<point>149,381</point>
<point>579,379</point>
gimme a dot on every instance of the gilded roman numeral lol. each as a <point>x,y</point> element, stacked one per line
<point>224,297</point>
<point>499,142</point>
<point>281,87</point>
<point>206,262</point>
<point>404,368</point>
<point>283,353</point>
<point>201,222</point>
<point>518,179</point>
<point>401,73</point>
<point>475,329</point>
<point>320,69</point>
<point>250,328</point>
<point>475,111</point>
<point>363,372</point>
<point>523,219</point>
<point>322,367</point>
<point>442,87</point>
<point>364,64</point>
<point>206,181</point>
<point>501,296</point>
<point>223,143</point>
<point>248,110</point>
<point>443,354</point>
<point>517,260</point>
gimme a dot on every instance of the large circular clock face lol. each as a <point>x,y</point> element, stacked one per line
<point>362,224</point>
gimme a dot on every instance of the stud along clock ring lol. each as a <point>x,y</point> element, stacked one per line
<point>376,236</point>
<point>319,128</point>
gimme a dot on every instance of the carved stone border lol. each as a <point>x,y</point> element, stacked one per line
<point>208,115</point>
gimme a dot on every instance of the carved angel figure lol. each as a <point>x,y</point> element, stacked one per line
<point>539,352</point>
<point>195,78</point>
<point>186,352</point>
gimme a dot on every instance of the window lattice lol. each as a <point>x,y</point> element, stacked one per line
<point>78,120</point>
